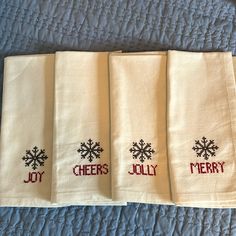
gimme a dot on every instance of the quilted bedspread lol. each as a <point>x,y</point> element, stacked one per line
<point>39,26</point>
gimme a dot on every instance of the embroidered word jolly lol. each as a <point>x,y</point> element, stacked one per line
<point>142,151</point>
<point>140,169</point>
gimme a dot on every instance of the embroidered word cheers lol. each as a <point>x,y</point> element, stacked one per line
<point>90,150</point>
<point>94,169</point>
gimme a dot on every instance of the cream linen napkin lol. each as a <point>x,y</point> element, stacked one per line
<point>234,63</point>
<point>227,204</point>
<point>201,129</point>
<point>26,131</point>
<point>81,167</point>
<point>146,52</point>
<point>138,128</point>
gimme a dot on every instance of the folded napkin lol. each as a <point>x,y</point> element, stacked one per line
<point>201,128</point>
<point>138,128</point>
<point>81,157</point>
<point>146,52</point>
<point>234,64</point>
<point>26,131</point>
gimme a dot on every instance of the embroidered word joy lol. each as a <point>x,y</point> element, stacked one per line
<point>34,158</point>
<point>34,177</point>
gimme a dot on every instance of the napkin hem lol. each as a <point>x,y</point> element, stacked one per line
<point>30,202</point>
<point>226,204</point>
<point>141,197</point>
<point>67,197</point>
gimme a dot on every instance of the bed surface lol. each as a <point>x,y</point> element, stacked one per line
<point>37,26</point>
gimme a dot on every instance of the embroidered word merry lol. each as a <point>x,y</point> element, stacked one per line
<point>34,177</point>
<point>93,169</point>
<point>140,169</point>
<point>207,167</point>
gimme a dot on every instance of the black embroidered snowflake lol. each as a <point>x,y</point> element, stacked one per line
<point>142,150</point>
<point>205,148</point>
<point>35,158</point>
<point>90,150</point>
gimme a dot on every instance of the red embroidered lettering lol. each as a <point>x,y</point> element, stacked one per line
<point>154,169</point>
<point>40,176</point>
<point>77,170</point>
<point>105,169</point>
<point>193,165</point>
<point>87,167</point>
<point>222,166</point>
<point>93,169</point>
<point>33,177</point>
<point>131,173</point>
<point>207,167</point>
<point>214,167</point>
<point>139,169</point>
<point>202,170</point>
<point>29,178</point>
<point>99,169</point>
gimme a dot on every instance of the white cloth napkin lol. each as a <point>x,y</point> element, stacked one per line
<point>202,129</point>
<point>234,64</point>
<point>81,159</point>
<point>138,128</point>
<point>146,52</point>
<point>26,131</point>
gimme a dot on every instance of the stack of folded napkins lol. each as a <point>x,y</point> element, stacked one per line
<point>100,128</point>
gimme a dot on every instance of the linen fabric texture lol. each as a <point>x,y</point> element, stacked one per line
<point>62,133</point>
<point>26,131</point>
<point>81,157</point>
<point>138,128</point>
<point>201,125</point>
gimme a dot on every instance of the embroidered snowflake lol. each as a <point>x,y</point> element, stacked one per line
<point>205,148</point>
<point>90,150</point>
<point>142,150</point>
<point>35,158</point>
